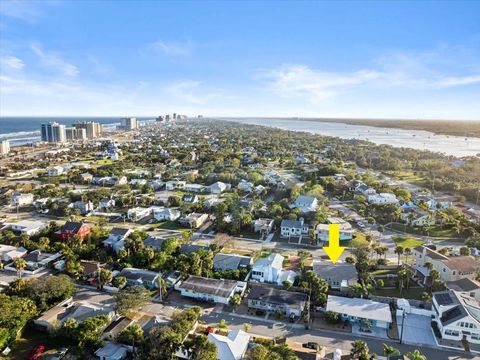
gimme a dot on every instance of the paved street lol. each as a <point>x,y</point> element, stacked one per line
<point>330,339</point>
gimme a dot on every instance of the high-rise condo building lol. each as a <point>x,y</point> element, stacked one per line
<point>53,132</point>
<point>4,147</point>
<point>76,134</point>
<point>92,129</point>
<point>129,123</point>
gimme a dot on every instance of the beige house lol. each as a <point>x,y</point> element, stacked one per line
<point>450,268</point>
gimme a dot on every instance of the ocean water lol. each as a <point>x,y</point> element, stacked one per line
<point>416,139</point>
<point>24,130</point>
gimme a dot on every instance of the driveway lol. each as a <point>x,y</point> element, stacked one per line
<point>417,330</point>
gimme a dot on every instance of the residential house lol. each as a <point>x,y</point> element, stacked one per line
<point>359,311</point>
<point>140,277</point>
<point>190,198</point>
<point>382,199</point>
<point>77,311</point>
<point>138,213</point>
<point>175,185</point>
<point>450,268</point>
<point>55,171</point>
<point>195,188</point>
<point>305,203</point>
<point>289,228</point>
<point>194,220</point>
<point>231,261</point>
<point>9,253</point>
<point>417,218</point>
<point>457,316</point>
<point>322,230</point>
<point>106,204</point>
<point>270,270</point>
<point>230,347</point>
<point>218,187</point>
<point>271,299</point>
<point>153,243</point>
<point>82,206</point>
<point>37,260</point>
<point>116,238</point>
<point>27,227</point>
<point>263,226</point>
<point>112,351</point>
<point>208,289</point>
<point>72,228</point>
<point>86,178</point>
<point>20,199</point>
<point>467,286</point>
<point>189,249</point>
<point>245,186</point>
<point>165,214</point>
<point>340,276</point>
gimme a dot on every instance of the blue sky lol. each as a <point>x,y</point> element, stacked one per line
<point>342,59</point>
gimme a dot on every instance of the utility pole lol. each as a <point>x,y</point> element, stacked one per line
<point>403,322</point>
<point>307,323</point>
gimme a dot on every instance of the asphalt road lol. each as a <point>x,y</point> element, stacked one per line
<point>330,339</point>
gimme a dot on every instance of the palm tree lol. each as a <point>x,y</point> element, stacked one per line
<point>104,277</point>
<point>20,265</point>
<point>162,287</point>
<point>407,252</point>
<point>415,355</point>
<point>399,252</point>
<point>359,350</point>
<point>390,351</point>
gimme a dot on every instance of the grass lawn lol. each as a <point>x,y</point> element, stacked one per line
<point>384,272</point>
<point>412,293</point>
<point>406,242</point>
<point>172,225</point>
<point>434,231</point>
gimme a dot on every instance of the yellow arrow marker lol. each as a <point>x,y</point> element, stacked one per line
<point>334,250</point>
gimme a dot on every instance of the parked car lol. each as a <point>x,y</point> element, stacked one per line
<point>60,354</point>
<point>36,352</point>
<point>311,345</point>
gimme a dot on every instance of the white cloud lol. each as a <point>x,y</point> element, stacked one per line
<point>426,71</point>
<point>192,91</point>
<point>11,62</point>
<point>53,60</point>
<point>171,48</point>
<point>28,11</point>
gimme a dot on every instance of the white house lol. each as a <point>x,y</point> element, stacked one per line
<point>27,227</point>
<point>305,203</point>
<point>208,289</point>
<point>270,270</point>
<point>415,217</point>
<point>289,228</point>
<point>457,316</point>
<point>246,186</point>
<point>55,171</point>
<point>19,199</point>
<point>163,213</point>
<point>175,185</point>
<point>346,230</point>
<point>195,188</point>
<point>263,225</point>
<point>138,213</point>
<point>382,198</point>
<point>116,238</point>
<point>218,187</point>
<point>82,206</point>
<point>230,347</point>
<point>106,203</point>
<point>358,310</point>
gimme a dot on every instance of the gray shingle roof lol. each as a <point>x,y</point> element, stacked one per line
<point>201,285</point>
